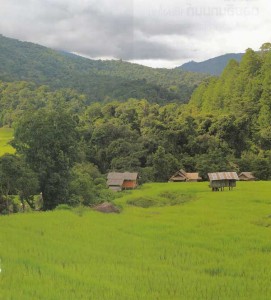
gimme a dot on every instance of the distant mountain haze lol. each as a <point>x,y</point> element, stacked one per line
<point>212,66</point>
<point>98,80</point>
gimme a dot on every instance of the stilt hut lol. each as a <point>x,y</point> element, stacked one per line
<point>220,180</point>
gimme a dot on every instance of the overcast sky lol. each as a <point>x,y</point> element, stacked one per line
<point>151,32</point>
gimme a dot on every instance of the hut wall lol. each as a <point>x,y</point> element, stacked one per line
<point>217,183</point>
<point>244,178</point>
<point>232,183</point>
<point>222,183</point>
<point>129,184</point>
<point>115,188</point>
<point>177,179</point>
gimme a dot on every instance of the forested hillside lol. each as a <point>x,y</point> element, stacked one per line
<point>68,144</point>
<point>212,66</point>
<point>18,97</point>
<point>241,102</point>
<point>98,80</point>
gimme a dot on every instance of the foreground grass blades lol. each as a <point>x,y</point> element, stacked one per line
<point>216,246</point>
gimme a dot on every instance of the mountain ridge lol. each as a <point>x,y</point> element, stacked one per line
<point>212,66</point>
<point>98,80</point>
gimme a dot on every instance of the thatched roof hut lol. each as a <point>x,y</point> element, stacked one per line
<point>182,176</point>
<point>246,176</point>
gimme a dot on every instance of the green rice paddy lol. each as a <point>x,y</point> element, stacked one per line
<point>6,135</point>
<point>211,245</point>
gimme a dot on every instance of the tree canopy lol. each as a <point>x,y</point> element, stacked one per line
<point>71,144</point>
<point>99,80</point>
<point>48,139</point>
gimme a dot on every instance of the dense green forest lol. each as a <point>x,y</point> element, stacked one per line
<point>68,144</point>
<point>98,80</point>
<point>242,97</point>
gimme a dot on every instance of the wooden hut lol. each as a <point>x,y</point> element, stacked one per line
<point>246,176</point>
<point>182,176</point>
<point>117,181</point>
<point>220,180</point>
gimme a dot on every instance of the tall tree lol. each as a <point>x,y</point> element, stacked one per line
<point>48,139</point>
<point>164,164</point>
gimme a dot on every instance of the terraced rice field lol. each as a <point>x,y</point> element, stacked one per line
<point>202,245</point>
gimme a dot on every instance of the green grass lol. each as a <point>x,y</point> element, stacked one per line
<point>6,135</point>
<point>215,246</point>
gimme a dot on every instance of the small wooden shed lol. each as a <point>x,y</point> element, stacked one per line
<point>182,176</point>
<point>118,181</point>
<point>220,180</point>
<point>246,176</point>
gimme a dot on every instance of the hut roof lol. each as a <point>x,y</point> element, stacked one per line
<point>193,176</point>
<point>248,175</point>
<point>130,176</point>
<point>223,176</point>
<point>117,178</point>
<point>177,177</point>
<point>115,181</point>
<point>182,172</point>
<point>181,175</point>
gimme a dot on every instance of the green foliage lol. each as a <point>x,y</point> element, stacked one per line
<point>87,186</point>
<point>18,97</point>
<point>48,140</point>
<point>238,108</point>
<point>146,175</point>
<point>163,164</point>
<point>237,90</point>
<point>265,47</point>
<point>16,178</point>
<point>225,127</point>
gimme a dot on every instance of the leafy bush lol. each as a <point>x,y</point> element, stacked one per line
<point>87,186</point>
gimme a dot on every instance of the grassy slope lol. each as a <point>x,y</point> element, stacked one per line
<point>217,246</point>
<point>6,135</point>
